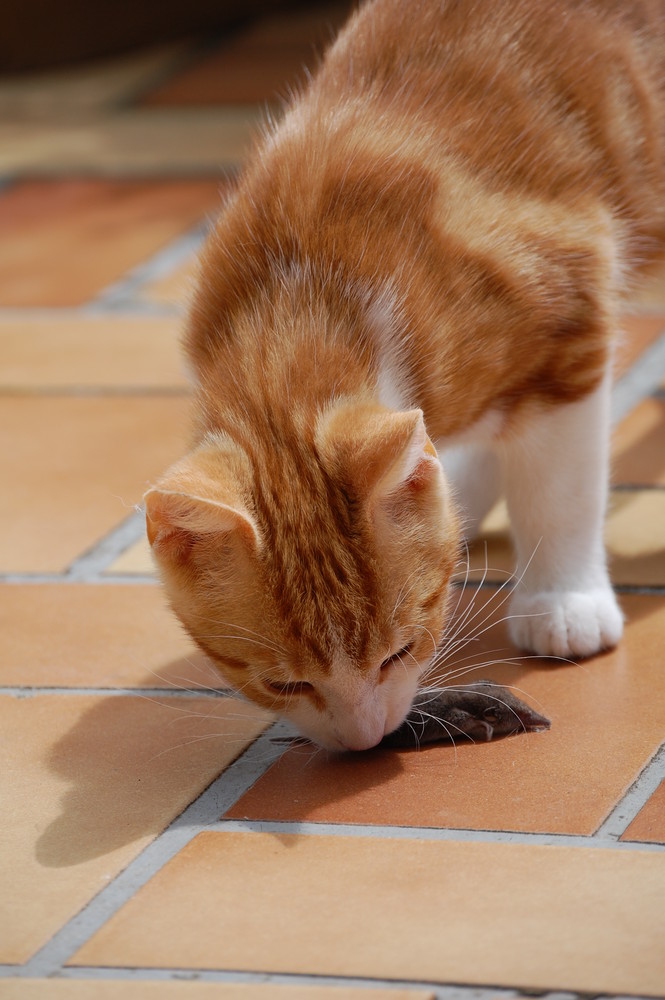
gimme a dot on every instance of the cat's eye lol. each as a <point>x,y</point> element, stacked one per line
<point>289,688</point>
<point>397,658</point>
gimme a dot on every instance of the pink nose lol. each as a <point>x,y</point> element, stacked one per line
<point>362,745</point>
<point>364,741</point>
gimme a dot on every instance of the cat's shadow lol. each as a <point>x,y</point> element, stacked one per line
<point>134,762</point>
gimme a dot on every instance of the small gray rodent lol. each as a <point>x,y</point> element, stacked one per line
<point>478,711</point>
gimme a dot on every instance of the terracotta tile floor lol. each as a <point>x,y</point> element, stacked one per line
<point>158,839</point>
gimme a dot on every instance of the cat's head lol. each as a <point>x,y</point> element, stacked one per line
<point>313,569</point>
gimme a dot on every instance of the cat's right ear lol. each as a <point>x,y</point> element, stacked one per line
<point>199,497</point>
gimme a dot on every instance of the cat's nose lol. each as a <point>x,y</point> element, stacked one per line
<point>367,744</point>
<point>365,735</point>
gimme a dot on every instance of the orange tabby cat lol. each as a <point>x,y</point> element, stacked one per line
<point>431,246</point>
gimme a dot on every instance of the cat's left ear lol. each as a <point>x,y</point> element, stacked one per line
<point>197,497</point>
<point>379,451</point>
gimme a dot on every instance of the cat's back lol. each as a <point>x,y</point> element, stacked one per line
<point>478,159</point>
<point>547,96</point>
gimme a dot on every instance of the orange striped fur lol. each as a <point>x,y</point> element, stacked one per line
<point>444,221</point>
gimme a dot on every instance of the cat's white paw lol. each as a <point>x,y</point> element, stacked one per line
<point>566,623</point>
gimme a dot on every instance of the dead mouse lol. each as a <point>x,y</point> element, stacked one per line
<point>480,711</point>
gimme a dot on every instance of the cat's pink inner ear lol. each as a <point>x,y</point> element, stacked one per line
<point>415,462</point>
<point>196,498</point>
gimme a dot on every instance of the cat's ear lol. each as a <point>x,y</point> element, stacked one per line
<point>380,451</point>
<point>198,496</point>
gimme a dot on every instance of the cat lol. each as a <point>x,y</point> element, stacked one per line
<point>408,305</point>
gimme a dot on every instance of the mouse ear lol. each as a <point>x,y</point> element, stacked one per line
<point>379,451</point>
<point>199,496</point>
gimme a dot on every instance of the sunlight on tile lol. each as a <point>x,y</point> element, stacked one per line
<point>55,351</point>
<point>639,445</point>
<point>75,467</point>
<point>89,781</point>
<point>135,561</point>
<point>102,989</point>
<point>634,536</point>
<point>96,636</point>
<point>151,143</point>
<point>649,824</point>
<point>547,917</point>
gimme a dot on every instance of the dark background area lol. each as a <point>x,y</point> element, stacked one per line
<point>40,34</point>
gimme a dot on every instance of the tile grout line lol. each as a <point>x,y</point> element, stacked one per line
<point>28,579</point>
<point>101,392</point>
<point>13,691</point>
<point>637,796</point>
<point>366,831</point>
<point>161,264</point>
<point>439,991</point>
<point>642,379</point>
<point>105,551</point>
<point>219,796</point>
<point>427,988</point>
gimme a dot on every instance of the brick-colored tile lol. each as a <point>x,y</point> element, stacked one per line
<point>149,143</point>
<point>88,782</point>
<point>499,914</point>
<point>639,445</point>
<point>74,467</point>
<point>634,536</point>
<point>260,63</point>
<point>71,351</point>
<point>639,332</point>
<point>649,824</point>
<point>63,241</point>
<point>649,296</point>
<point>103,989</point>
<point>607,721</point>
<point>91,635</point>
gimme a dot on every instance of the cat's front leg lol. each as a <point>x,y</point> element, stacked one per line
<point>555,476</point>
<point>474,475</point>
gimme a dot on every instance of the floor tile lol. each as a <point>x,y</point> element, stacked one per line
<point>258,63</point>
<point>74,468</point>
<point>46,351</point>
<point>119,989</point>
<point>547,917</point>
<point>639,332</point>
<point>556,782</point>
<point>174,289</point>
<point>634,536</point>
<point>639,445</point>
<point>649,296</point>
<point>88,782</point>
<point>150,142</point>
<point>61,242</point>
<point>135,561</point>
<point>87,88</point>
<point>649,824</point>
<point>92,635</point>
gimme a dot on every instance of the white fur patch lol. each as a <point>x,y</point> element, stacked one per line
<point>555,475</point>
